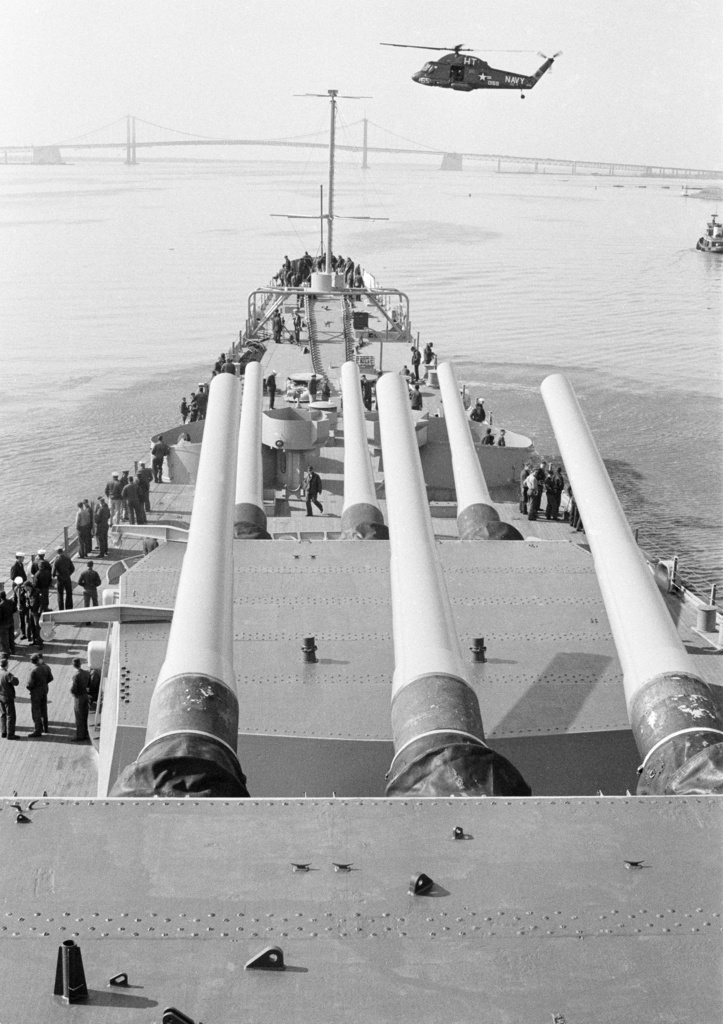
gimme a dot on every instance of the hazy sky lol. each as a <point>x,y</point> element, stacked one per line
<point>639,80</point>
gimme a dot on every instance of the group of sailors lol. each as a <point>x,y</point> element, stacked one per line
<point>29,598</point>
<point>196,408</point>
<point>297,273</point>
<point>317,388</point>
<point>546,481</point>
<point>30,595</point>
<point>430,359</point>
<point>278,326</point>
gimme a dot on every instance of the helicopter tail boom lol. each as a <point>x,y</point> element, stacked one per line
<point>549,61</point>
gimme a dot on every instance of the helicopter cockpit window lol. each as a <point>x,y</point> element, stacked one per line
<point>456,73</point>
<point>427,67</point>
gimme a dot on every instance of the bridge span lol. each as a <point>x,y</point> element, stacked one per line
<point>450,160</point>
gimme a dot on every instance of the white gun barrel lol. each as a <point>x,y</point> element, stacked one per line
<point>477,519</point>
<point>249,515</point>
<point>671,709</point>
<point>361,516</point>
<point>192,728</point>
<point>436,719</point>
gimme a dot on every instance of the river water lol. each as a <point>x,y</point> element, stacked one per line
<point>120,285</point>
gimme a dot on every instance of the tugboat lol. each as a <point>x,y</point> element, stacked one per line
<point>712,240</point>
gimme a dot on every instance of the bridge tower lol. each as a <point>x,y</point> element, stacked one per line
<point>365,163</point>
<point>131,140</point>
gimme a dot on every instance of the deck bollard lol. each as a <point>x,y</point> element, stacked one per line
<point>309,650</point>
<point>706,618</point>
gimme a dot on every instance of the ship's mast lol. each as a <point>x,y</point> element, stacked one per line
<point>330,213</point>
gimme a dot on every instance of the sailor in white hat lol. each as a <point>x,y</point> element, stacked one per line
<point>42,573</point>
<point>18,567</point>
<point>478,413</point>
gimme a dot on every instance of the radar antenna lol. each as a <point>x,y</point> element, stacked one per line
<point>332,93</point>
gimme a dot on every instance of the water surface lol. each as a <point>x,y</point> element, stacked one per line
<point>119,286</point>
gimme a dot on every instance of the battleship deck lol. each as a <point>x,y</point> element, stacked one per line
<point>544,689</point>
<point>140,884</point>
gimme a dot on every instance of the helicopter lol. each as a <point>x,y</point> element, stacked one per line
<point>465,74</point>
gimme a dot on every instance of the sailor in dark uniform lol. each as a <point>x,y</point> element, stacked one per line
<point>37,685</point>
<point>18,567</point>
<point>478,414</point>
<point>313,490</point>
<point>43,577</point>
<point>79,689</point>
<point>8,684</point>
<point>33,601</point>
<point>271,388</point>
<point>416,360</point>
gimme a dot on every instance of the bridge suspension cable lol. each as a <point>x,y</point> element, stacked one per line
<point>193,135</point>
<point>93,131</point>
<point>413,142</point>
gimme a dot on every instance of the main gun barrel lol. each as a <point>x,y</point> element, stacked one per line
<point>477,518</point>
<point>361,516</point>
<point>192,729</point>
<point>249,515</point>
<point>671,709</point>
<point>439,740</point>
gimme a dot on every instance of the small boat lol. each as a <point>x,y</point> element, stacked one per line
<point>712,240</point>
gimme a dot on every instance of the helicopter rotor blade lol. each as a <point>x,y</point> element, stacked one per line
<point>454,49</point>
<point>553,57</point>
<point>413,46</point>
<point>325,96</point>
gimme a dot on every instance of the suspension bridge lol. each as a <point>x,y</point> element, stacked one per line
<point>130,142</point>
